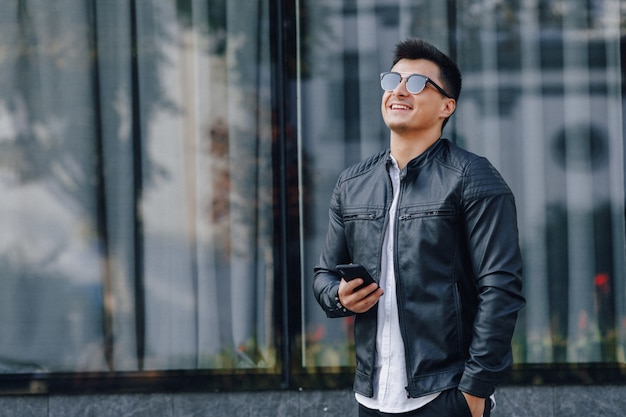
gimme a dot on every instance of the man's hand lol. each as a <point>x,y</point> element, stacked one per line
<point>476,404</point>
<point>358,301</point>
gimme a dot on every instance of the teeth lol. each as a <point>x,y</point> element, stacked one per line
<point>399,107</point>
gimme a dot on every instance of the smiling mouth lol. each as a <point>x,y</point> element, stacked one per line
<point>399,107</point>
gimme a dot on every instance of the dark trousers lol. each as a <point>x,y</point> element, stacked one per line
<point>450,403</point>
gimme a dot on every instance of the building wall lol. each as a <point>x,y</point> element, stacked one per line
<point>543,401</point>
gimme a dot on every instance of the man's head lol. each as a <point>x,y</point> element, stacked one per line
<point>440,84</point>
<point>419,49</point>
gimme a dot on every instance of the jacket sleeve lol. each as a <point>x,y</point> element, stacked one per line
<point>326,280</point>
<point>492,240</point>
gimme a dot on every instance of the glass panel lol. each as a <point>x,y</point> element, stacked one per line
<point>346,46</point>
<point>207,196</point>
<point>136,151</point>
<point>50,247</point>
<point>541,99</point>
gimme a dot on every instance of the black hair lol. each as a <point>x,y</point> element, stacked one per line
<point>420,49</point>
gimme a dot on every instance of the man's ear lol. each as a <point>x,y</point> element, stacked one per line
<point>449,106</point>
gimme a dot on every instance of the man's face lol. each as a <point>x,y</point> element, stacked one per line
<point>406,113</point>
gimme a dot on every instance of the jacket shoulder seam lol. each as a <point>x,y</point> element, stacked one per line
<point>362,167</point>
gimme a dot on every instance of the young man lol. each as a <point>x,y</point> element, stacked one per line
<point>436,226</point>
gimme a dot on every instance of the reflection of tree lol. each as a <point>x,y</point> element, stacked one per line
<point>221,187</point>
<point>239,154</point>
<point>80,92</point>
<point>67,61</point>
<point>215,20</point>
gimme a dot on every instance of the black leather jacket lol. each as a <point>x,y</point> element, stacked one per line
<point>457,264</point>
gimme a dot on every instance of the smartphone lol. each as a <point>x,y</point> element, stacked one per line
<point>352,271</point>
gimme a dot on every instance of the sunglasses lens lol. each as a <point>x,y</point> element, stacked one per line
<point>415,84</point>
<point>390,81</point>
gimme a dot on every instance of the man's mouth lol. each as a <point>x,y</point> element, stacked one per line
<point>397,106</point>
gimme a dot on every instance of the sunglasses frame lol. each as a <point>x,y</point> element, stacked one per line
<point>426,81</point>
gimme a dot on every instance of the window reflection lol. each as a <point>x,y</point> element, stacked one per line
<point>136,164</point>
<point>50,255</point>
<point>138,158</point>
<point>542,100</point>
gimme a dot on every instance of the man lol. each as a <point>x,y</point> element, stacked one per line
<point>436,226</point>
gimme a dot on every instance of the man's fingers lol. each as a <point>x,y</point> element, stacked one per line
<point>359,301</point>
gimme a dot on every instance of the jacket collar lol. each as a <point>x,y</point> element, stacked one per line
<point>419,161</point>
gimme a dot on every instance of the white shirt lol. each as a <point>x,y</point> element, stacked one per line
<point>390,380</point>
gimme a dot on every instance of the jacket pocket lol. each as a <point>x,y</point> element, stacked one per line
<point>438,212</point>
<point>363,228</point>
<point>432,227</point>
<point>358,216</point>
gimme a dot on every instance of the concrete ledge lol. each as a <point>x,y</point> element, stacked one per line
<point>524,401</point>
<point>561,401</point>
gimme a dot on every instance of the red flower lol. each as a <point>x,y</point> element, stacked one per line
<point>601,281</point>
<point>318,334</point>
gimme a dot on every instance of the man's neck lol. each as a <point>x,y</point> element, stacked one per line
<point>406,148</point>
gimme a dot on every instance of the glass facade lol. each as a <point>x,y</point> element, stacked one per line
<point>137,165</point>
<point>166,169</point>
<point>542,99</point>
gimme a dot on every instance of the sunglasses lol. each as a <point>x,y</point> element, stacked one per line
<point>415,83</point>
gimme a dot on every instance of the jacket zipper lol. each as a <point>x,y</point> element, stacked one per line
<point>365,216</point>
<point>399,298</point>
<point>427,213</point>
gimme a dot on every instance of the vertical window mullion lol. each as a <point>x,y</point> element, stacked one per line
<point>139,290</point>
<point>101,208</point>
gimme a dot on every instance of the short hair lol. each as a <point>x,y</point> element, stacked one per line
<point>420,49</point>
